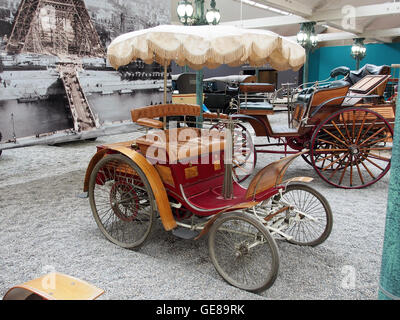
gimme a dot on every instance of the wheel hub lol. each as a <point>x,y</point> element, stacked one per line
<point>124,201</point>
<point>241,250</point>
<point>354,150</point>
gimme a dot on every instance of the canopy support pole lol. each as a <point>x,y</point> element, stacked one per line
<point>199,97</point>
<point>165,92</point>
<point>227,187</point>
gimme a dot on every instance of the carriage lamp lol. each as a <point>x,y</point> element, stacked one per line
<point>358,51</point>
<point>189,15</point>
<point>185,11</point>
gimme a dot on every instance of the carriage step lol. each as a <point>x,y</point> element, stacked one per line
<point>185,233</point>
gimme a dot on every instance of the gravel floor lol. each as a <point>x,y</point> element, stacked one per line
<point>45,227</point>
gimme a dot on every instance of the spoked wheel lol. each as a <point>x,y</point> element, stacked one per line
<point>122,201</point>
<point>306,215</point>
<point>244,156</point>
<point>321,145</point>
<point>243,252</point>
<point>352,148</point>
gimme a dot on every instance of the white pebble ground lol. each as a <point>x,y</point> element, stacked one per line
<point>45,227</point>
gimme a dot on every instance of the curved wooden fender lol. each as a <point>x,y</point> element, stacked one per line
<point>96,158</point>
<point>270,176</point>
<point>54,286</point>
<point>152,175</point>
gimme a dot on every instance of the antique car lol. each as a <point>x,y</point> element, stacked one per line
<point>346,125</point>
<point>183,176</point>
<point>187,176</point>
<point>217,91</point>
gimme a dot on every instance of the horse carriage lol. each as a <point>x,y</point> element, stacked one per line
<point>346,124</point>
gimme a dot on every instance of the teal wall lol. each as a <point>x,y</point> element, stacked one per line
<point>324,59</point>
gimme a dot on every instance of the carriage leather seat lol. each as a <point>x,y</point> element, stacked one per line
<point>350,78</point>
<point>255,101</point>
<point>306,94</point>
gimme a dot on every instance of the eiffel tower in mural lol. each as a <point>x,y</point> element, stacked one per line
<point>56,27</point>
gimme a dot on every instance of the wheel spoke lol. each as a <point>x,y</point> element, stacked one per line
<point>374,135</point>
<point>359,173</point>
<point>344,171</point>
<point>346,128</point>
<point>361,127</point>
<point>340,132</point>
<point>375,164</point>
<point>333,136</point>
<point>334,162</point>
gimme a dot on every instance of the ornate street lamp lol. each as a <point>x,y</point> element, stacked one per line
<point>213,16</point>
<point>306,36</point>
<point>185,11</point>
<point>309,41</point>
<point>197,16</point>
<point>358,51</point>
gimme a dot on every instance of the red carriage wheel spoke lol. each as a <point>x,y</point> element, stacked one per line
<point>359,173</point>
<point>333,136</point>
<point>351,171</point>
<point>375,156</point>
<point>366,168</point>
<point>361,128</point>
<point>340,132</point>
<point>374,135</point>
<point>331,150</point>
<point>345,126</point>
<point>378,148</point>
<point>337,160</point>
<point>354,123</point>
<point>368,129</point>
<point>373,163</point>
<point>335,171</point>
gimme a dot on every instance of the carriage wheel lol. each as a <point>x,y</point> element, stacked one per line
<point>122,201</point>
<point>351,149</point>
<point>243,252</point>
<point>309,215</point>
<point>244,154</point>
